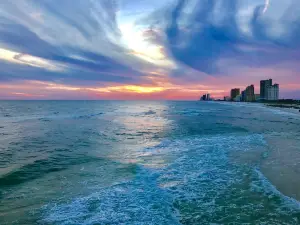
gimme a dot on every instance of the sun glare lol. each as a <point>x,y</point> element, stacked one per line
<point>135,41</point>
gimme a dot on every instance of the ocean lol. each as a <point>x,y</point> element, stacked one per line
<point>147,162</point>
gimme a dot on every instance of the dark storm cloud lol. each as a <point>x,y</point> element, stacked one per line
<point>211,32</point>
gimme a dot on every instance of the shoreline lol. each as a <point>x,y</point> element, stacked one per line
<point>280,163</point>
<point>293,110</point>
<point>285,107</point>
<point>290,107</point>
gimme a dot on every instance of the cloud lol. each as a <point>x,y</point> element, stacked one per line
<point>20,39</point>
<point>19,58</point>
<point>81,38</point>
<point>199,36</point>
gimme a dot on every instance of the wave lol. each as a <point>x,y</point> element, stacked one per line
<point>150,112</point>
<point>262,184</point>
<point>39,168</point>
<point>185,190</point>
<point>88,116</point>
<point>138,201</point>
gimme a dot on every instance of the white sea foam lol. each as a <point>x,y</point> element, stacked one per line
<point>199,174</point>
<point>138,201</point>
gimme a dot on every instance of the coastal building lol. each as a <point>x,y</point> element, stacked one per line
<point>208,97</point>
<point>264,84</point>
<point>273,92</point>
<point>227,98</point>
<point>243,96</point>
<point>238,98</point>
<point>249,92</point>
<point>268,91</point>
<point>234,92</point>
<point>205,97</point>
<point>257,97</point>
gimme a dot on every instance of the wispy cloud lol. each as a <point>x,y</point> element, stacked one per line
<point>213,30</point>
<point>19,58</point>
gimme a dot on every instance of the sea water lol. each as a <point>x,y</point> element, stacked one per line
<point>141,162</point>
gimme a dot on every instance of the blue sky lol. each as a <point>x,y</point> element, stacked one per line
<point>141,49</point>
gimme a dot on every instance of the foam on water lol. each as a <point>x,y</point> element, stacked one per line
<point>198,184</point>
<point>138,201</point>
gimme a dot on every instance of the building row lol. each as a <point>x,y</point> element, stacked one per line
<point>206,97</point>
<point>268,92</point>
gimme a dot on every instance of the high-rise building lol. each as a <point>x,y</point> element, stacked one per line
<point>257,97</point>
<point>238,98</point>
<point>205,97</point>
<point>249,94</point>
<point>234,92</point>
<point>268,91</point>
<point>264,84</point>
<point>208,97</point>
<point>273,92</point>
<point>243,98</point>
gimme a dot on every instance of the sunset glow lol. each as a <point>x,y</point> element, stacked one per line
<point>143,50</point>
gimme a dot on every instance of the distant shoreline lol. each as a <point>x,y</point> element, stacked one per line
<point>285,106</point>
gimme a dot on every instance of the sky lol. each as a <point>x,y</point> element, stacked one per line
<point>142,49</point>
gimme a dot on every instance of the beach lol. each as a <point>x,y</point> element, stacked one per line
<point>280,164</point>
<point>295,107</point>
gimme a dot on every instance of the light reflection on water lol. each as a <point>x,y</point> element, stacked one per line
<point>140,125</point>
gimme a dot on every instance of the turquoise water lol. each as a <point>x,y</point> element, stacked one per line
<point>114,162</point>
